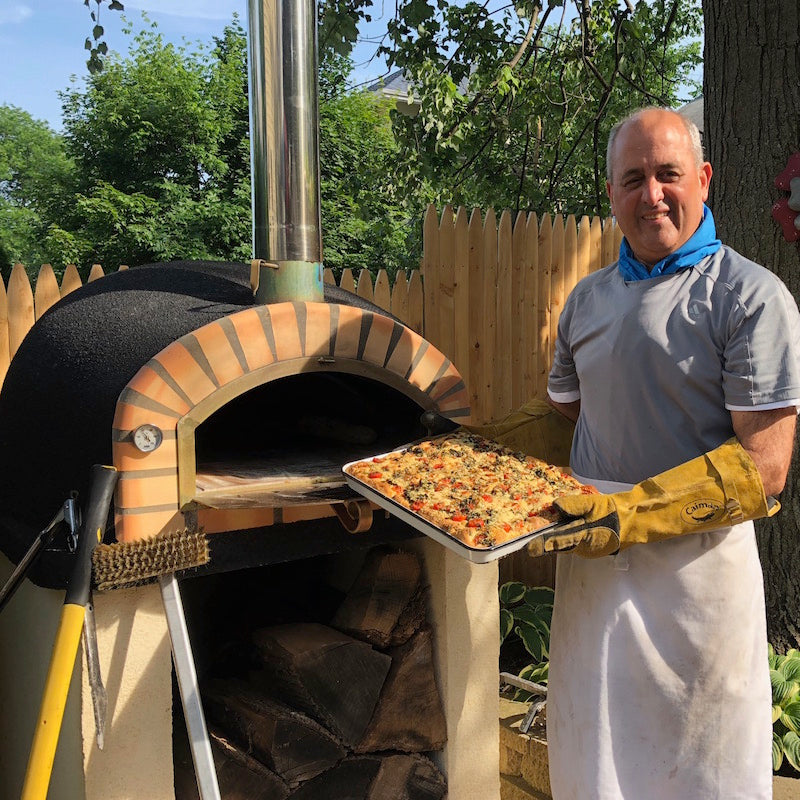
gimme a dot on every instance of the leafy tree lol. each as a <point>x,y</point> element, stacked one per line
<point>516,104</point>
<point>363,222</point>
<point>34,174</point>
<point>159,142</point>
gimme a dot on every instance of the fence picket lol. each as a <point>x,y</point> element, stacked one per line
<point>5,356</point>
<point>20,308</point>
<point>70,280</point>
<point>430,269</point>
<point>416,311</point>
<point>382,295</point>
<point>400,296</point>
<point>545,266</point>
<point>489,324</point>
<point>584,250</point>
<point>461,347</point>
<point>46,293</point>
<point>504,336</point>
<point>519,268</point>
<point>446,281</point>
<point>556,282</point>
<point>364,287</point>
<point>531,308</point>
<point>478,349</point>
<point>596,244</point>
<point>347,280</point>
<point>94,273</point>
<point>328,276</point>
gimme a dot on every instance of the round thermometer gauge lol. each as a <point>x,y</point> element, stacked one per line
<point>147,438</point>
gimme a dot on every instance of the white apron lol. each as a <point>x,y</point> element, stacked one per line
<point>644,644</point>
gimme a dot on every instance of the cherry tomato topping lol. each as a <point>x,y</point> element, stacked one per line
<point>506,527</point>
<point>375,475</point>
<point>458,517</point>
<point>475,523</point>
<point>487,497</point>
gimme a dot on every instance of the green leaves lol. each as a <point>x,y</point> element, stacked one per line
<point>525,615</point>
<point>97,48</point>
<point>784,675</point>
<point>515,102</point>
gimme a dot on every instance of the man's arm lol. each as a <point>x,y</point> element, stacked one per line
<point>768,437</point>
<point>569,410</point>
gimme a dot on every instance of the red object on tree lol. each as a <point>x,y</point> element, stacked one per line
<point>786,212</point>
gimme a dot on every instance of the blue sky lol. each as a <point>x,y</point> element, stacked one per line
<point>42,42</point>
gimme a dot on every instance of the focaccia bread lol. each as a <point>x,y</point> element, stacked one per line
<point>473,489</point>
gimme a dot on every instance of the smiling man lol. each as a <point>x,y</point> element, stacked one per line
<point>680,365</point>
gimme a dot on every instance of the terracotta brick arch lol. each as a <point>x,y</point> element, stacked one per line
<point>197,374</point>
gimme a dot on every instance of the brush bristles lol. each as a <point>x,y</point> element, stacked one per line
<point>127,564</point>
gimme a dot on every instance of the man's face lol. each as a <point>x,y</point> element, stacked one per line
<point>657,190</point>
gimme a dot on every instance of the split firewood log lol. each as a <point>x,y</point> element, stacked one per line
<point>409,716</point>
<point>287,741</point>
<point>239,775</point>
<point>386,603</point>
<point>377,777</point>
<point>329,675</point>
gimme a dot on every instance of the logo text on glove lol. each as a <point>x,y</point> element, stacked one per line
<point>699,512</point>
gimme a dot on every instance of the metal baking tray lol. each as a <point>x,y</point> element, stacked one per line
<point>478,555</point>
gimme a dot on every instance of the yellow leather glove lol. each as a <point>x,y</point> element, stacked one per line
<point>715,490</point>
<point>536,429</point>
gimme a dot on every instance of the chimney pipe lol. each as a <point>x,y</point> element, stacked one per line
<point>284,148</point>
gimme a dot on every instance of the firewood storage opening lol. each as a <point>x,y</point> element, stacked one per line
<point>284,442</point>
<point>318,679</point>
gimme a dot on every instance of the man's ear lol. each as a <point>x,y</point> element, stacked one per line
<point>705,179</point>
<point>610,193</point>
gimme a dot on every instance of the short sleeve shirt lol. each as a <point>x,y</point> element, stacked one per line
<point>658,364</point>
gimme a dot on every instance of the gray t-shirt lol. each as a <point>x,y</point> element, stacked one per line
<point>658,364</point>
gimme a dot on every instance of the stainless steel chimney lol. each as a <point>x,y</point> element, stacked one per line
<point>284,147</point>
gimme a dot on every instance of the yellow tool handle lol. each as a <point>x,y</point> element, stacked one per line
<point>54,700</point>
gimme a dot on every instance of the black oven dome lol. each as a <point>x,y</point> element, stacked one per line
<point>58,400</point>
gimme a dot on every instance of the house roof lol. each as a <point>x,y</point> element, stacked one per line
<point>693,110</point>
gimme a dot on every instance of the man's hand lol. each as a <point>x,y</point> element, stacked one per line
<point>716,490</point>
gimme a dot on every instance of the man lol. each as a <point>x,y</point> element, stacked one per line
<point>680,365</point>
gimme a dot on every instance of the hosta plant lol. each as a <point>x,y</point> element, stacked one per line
<point>525,614</point>
<point>784,673</point>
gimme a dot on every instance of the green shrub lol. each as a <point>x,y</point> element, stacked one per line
<point>525,614</point>
<point>784,673</point>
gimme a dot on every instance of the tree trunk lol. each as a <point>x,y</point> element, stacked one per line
<point>751,96</point>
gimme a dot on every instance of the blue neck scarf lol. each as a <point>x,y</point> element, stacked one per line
<point>703,243</point>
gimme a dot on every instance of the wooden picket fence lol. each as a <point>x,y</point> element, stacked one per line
<point>488,295</point>
<point>493,292</point>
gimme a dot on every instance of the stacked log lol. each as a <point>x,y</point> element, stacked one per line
<point>342,711</point>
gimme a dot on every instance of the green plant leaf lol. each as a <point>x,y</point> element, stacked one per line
<point>791,667</point>
<point>507,624</point>
<point>781,688</point>
<point>771,656</point>
<point>539,595</point>
<point>511,593</point>
<point>776,712</point>
<point>538,673</point>
<point>532,639</point>
<point>777,752</point>
<point>791,715</point>
<point>791,748</point>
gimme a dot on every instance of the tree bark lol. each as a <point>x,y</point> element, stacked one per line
<point>751,90</point>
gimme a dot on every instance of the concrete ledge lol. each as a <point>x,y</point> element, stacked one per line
<point>523,756</point>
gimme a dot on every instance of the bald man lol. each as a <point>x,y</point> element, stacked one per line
<point>680,365</point>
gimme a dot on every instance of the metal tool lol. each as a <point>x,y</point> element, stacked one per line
<point>537,703</point>
<point>204,770</point>
<point>99,694</point>
<point>69,513</point>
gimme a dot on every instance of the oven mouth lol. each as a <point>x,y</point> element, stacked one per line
<point>284,442</point>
